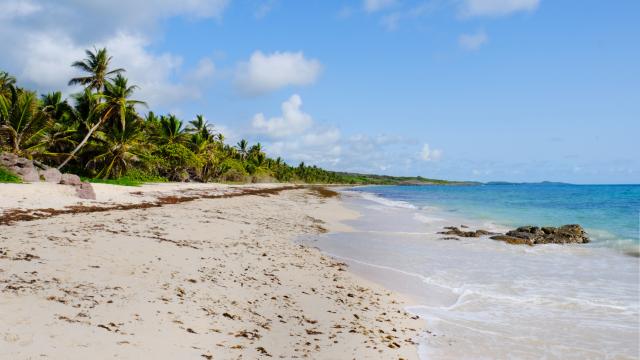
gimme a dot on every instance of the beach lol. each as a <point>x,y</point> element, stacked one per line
<point>187,271</point>
<point>488,299</point>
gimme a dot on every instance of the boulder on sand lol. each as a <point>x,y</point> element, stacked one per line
<point>70,179</point>
<point>85,191</point>
<point>22,167</point>
<point>51,175</point>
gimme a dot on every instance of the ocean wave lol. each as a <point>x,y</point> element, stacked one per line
<point>387,202</point>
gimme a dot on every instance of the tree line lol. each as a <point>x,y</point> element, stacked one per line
<point>99,133</point>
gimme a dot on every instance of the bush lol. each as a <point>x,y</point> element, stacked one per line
<point>176,160</point>
<point>8,177</point>
<point>234,171</point>
<point>145,176</point>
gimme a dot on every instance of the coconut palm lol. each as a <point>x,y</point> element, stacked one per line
<point>23,125</point>
<point>115,106</point>
<point>242,148</point>
<point>171,130</point>
<point>114,150</point>
<point>7,85</point>
<point>97,66</point>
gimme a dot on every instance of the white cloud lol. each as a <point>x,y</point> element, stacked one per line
<point>264,8</point>
<point>497,7</point>
<point>473,41</point>
<point>264,73</point>
<point>46,37</point>
<point>18,8</point>
<point>377,5</point>
<point>293,120</point>
<point>427,154</point>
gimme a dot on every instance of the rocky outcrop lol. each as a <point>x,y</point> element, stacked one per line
<point>533,235</point>
<point>22,167</point>
<point>30,171</point>
<point>452,230</point>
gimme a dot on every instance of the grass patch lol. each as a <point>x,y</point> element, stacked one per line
<point>123,181</point>
<point>8,177</point>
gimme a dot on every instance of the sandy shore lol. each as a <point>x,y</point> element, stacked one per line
<point>185,271</point>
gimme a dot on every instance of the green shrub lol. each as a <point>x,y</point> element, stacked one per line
<point>8,177</point>
<point>234,171</point>
<point>145,176</point>
<point>176,161</point>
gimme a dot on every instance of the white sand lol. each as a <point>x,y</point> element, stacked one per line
<point>210,278</point>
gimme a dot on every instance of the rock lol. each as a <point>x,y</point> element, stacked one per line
<point>27,173</point>
<point>531,235</point>
<point>8,160</point>
<point>51,175</point>
<point>512,240</point>
<point>70,179</point>
<point>22,167</point>
<point>85,191</point>
<point>452,230</point>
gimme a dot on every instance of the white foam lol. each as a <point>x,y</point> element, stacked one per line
<point>386,202</point>
<point>427,219</point>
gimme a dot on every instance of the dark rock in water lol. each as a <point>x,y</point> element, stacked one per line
<point>452,230</point>
<point>85,191</point>
<point>532,235</point>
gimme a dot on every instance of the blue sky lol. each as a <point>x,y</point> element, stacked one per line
<point>518,90</point>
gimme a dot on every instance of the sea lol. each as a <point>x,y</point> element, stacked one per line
<point>485,299</point>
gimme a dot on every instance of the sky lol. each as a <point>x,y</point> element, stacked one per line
<point>512,90</point>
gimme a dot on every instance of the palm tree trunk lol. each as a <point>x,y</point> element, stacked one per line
<point>84,141</point>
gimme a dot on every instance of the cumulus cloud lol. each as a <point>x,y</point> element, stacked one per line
<point>293,120</point>
<point>268,72</point>
<point>427,154</point>
<point>377,5</point>
<point>473,41</point>
<point>472,8</point>
<point>42,49</point>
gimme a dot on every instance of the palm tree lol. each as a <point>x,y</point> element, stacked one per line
<point>23,126</point>
<point>199,124</point>
<point>97,66</point>
<point>7,85</point>
<point>116,105</point>
<point>171,131</point>
<point>242,148</point>
<point>115,150</point>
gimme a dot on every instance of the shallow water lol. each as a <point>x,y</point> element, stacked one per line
<point>487,299</point>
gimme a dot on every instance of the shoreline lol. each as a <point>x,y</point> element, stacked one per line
<point>188,271</point>
<point>472,291</point>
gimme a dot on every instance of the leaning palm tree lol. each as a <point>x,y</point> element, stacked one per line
<point>116,149</point>
<point>115,107</point>
<point>97,66</point>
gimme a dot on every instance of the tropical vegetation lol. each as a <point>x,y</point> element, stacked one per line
<point>101,133</point>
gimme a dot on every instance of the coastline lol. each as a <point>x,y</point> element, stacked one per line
<point>488,299</point>
<point>200,271</point>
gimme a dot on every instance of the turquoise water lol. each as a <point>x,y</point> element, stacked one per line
<point>486,299</point>
<point>610,213</point>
